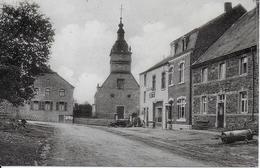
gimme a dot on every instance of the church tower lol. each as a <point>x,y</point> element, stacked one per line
<point>120,55</point>
<point>118,96</point>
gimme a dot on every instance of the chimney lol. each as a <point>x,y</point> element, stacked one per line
<point>228,6</point>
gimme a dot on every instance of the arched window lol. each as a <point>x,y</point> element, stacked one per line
<point>170,76</point>
<point>181,72</point>
<point>181,107</point>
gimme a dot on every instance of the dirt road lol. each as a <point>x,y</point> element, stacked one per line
<point>75,145</point>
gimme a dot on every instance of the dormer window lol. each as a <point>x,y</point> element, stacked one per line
<point>185,42</point>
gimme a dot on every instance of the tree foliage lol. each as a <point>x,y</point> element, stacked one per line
<point>26,37</point>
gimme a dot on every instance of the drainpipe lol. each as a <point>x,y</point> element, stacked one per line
<point>253,74</point>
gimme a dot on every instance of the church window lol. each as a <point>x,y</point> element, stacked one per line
<point>120,83</point>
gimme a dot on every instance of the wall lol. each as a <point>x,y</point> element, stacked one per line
<point>96,121</point>
<point>231,86</point>
<point>160,95</point>
<point>178,90</point>
<point>55,83</point>
<point>108,96</point>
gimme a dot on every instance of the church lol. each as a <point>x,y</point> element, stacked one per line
<point>118,96</point>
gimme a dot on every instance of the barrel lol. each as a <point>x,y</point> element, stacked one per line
<point>237,135</point>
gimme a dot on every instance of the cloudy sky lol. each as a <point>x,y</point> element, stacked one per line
<point>86,30</point>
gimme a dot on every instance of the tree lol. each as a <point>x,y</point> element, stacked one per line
<point>26,37</point>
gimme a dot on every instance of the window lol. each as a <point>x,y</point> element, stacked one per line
<point>47,91</point>
<point>154,82</point>
<point>170,76</point>
<point>61,106</point>
<point>204,74</point>
<point>62,92</point>
<point>204,104</point>
<point>163,81</point>
<point>158,116</point>
<point>36,91</point>
<point>175,47</point>
<point>35,105</point>
<point>243,65</point>
<point>222,71</point>
<point>48,105</point>
<point>181,108</point>
<point>144,79</point>
<point>120,83</point>
<point>243,102</point>
<point>181,73</point>
<point>183,44</point>
<point>144,96</point>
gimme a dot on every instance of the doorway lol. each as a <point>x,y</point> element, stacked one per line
<point>120,110</point>
<point>221,111</point>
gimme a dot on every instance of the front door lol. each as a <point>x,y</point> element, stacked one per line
<point>147,116</point>
<point>221,111</point>
<point>120,110</point>
<point>61,118</point>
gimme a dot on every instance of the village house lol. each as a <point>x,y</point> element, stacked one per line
<point>53,101</point>
<point>154,95</point>
<point>118,96</point>
<point>225,78</point>
<point>172,102</point>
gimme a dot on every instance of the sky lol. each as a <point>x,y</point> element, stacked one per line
<point>85,31</point>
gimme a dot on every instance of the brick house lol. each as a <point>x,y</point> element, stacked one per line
<point>184,51</point>
<point>225,78</point>
<point>53,100</point>
<point>118,96</point>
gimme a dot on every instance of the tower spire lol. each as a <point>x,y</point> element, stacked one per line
<point>121,13</point>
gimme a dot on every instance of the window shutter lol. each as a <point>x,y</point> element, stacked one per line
<point>31,105</point>
<point>39,105</point>
<point>57,106</point>
<point>65,106</point>
<point>51,104</point>
<point>43,105</point>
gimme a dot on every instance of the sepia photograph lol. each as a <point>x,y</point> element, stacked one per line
<point>129,83</point>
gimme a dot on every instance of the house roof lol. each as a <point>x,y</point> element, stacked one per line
<point>50,71</point>
<point>207,34</point>
<point>241,35</point>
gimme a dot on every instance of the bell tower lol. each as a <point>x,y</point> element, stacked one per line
<point>120,55</point>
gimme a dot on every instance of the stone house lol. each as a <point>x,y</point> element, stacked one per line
<point>53,100</point>
<point>118,96</point>
<point>184,51</point>
<point>225,78</point>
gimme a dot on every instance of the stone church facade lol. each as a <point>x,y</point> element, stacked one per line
<point>118,96</point>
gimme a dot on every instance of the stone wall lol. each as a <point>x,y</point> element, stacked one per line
<point>93,121</point>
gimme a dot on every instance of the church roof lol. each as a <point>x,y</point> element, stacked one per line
<point>241,35</point>
<point>120,45</point>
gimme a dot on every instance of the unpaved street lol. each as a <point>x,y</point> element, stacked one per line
<point>75,145</point>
